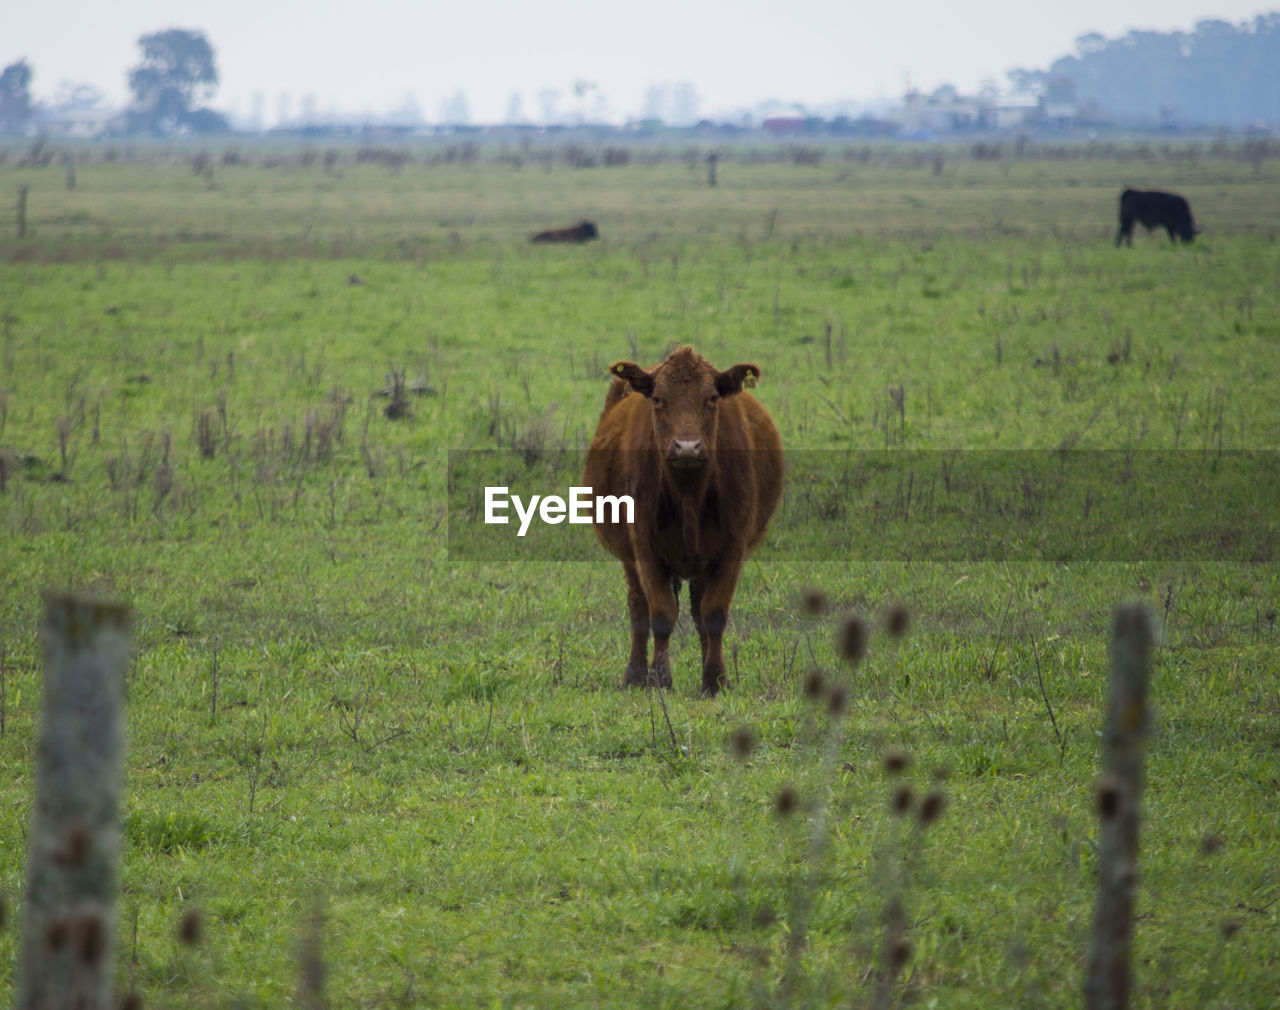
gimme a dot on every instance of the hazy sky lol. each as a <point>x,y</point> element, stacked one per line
<point>372,55</point>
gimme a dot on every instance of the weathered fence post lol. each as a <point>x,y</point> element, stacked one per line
<point>68,938</point>
<point>1118,797</point>
<point>22,212</point>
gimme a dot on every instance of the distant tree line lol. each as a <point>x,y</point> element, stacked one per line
<point>1218,75</point>
<point>176,73</point>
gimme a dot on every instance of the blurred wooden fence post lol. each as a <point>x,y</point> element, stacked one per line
<point>1119,795</point>
<point>69,925</point>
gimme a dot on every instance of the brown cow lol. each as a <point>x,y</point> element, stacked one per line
<point>584,231</point>
<point>703,462</point>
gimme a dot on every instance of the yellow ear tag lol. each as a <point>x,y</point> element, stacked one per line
<point>749,380</point>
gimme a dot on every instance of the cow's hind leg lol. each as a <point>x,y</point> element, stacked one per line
<point>637,674</point>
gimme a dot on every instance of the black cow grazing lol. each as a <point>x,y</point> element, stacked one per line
<point>584,231</point>
<point>1154,209</point>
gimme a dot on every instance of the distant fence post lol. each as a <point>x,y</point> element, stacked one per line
<point>1119,794</point>
<point>69,927</point>
<point>22,212</point>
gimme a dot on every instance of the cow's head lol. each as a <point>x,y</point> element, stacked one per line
<point>684,392</point>
<point>587,229</point>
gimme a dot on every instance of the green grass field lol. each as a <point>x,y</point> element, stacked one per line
<point>347,737</point>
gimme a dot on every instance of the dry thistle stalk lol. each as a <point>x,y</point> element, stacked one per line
<point>896,762</point>
<point>1210,844</point>
<point>742,742</point>
<point>814,602</point>
<point>897,621</point>
<point>837,699</point>
<point>190,928</point>
<point>931,808</point>
<point>853,640</point>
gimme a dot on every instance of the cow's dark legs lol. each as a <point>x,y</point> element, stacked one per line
<point>638,610</point>
<point>663,608</point>
<point>695,607</point>
<point>1125,233</point>
<point>713,616</point>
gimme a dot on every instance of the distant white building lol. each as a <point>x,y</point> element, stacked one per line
<point>1015,112</point>
<point>945,110</point>
<point>94,122</point>
<point>1059,107</point>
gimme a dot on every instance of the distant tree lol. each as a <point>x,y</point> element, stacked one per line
<point>407,113</point>
<point>685,103</point>
<point>515,108</point>
<point>1219,75</point>
<point>1090,43</point>
<point>176,71</point>
<point>454,110</point>
<point>75,97</point>
<point>676,104</point>
<point>601,110</point>
<point>1027,82</point>
<point>656,99</point>
<point>549,99</point>
<point>206,121</point>
<point>582,88</point>
<point>15,97</point>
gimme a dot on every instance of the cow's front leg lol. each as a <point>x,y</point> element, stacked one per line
<point>663,611</point>
<point>637,674</point>
<point>713,614</point>
<point>695,606</point>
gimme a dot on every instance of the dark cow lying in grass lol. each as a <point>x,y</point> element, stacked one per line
<point>1153,209</point>
<point>584,231</point>
<point>703,462</point>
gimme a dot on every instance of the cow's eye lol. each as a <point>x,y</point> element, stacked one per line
<point>656,401</point>
<point>713,399</point>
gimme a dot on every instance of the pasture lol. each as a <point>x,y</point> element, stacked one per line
<point>381,768</point>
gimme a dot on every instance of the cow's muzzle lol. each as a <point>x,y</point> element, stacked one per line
<point>687,452</point>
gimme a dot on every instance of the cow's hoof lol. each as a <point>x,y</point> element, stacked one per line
<point>710,688</point>
<point>637,675</point>
<point>660,677</point>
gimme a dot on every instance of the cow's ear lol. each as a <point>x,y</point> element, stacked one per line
<point>634,376</point>
<point>737,378</point>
